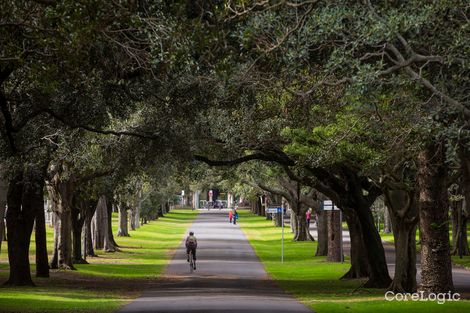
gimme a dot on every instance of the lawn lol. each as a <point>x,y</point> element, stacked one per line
<point>464,261</point>
<point>110,280</point>
<point>315,282</point>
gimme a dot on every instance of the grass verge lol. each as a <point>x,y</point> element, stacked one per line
<point>110,280</point>
<point>315,282</point>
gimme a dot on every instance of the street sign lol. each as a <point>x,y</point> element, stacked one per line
<point>279,210</point>
<point>274,210</point>
<point>329,206</point>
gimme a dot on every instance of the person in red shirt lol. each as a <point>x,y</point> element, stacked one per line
<point>230,216</point>
<point>308,216</point>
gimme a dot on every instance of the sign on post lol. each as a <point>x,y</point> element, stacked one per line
<point>276,210</point>
<point>329,206</point>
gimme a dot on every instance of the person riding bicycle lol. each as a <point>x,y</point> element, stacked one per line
<point>191,245</point>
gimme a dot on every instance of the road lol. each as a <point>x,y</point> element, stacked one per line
<point>229,276</point>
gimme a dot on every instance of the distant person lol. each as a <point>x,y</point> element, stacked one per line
<point>230,216</point>
<point>308,216</point>
<point>191,246</point>
<point>235,217</point>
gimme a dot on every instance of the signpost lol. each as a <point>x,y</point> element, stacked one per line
<point>329,206</point>
<point>279,210</point>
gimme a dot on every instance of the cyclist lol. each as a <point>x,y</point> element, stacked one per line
<point>191,245</point>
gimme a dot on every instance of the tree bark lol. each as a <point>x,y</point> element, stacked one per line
<point>61,195</point>
<point>87,235</point>
<point>3,203</point>
<point>301,231</point>
<point>20,220</point>
<point>65,240</point>
<point>111,244</point>
<point>160,211</point>
<point>400,200</point>
<point>322,230</point>
<point>132,218</point>
<point>2,221</point>
<point>137,207</point>
<point>42,262</point>
<point>78,220</point>
<point>123,224</point>
<point>463,210</point>
<point>459,229</point>
<point>334,236</point>
<point>436,268</point>
<point>378,270</point>
<point>277,220</point>
<point>293,221</point>
<point>99,224</point>
<point>55,254</point>
<point>387,222</point>
<point>358,255</point>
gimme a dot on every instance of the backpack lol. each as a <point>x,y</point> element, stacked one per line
<point>192,242</point>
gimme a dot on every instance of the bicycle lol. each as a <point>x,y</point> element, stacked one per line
<point>191,262</point>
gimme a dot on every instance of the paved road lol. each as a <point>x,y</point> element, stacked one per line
<point>229,277</point>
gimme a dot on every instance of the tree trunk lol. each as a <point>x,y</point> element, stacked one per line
<point>387,221</point>
<point>400,201</point>
<point>87,235</point>
<point>322,230</point>
<point>160,211</point>
<point>461,239</point>
<point>20,219</point>
<point>404,280</point>
<point>42,262</point>
<point>436,267</point>
<point>301,231</point>
<point>111,243</point>
<point>122,229</point>
<point>65,240</point>
<point>334,236</point>
<point>61,195</point>
<point>137,208</point>
<point>132,219</point>
<point>262,211</point>
<point>55,255</point>
<point>293,222</point>
<point>258,204</point>
<point>459,229</point>
<point>378,270</point>
<point>99,224</point>
<point>77,227</point>
<point>3,203</point>
<point>277,220</point>
<point>2,220</point>
<point>358,255</point>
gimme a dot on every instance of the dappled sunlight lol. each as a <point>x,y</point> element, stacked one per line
<point>316,282</point>
<point>143,257</point>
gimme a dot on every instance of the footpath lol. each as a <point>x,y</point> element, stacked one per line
<point>229,277</point>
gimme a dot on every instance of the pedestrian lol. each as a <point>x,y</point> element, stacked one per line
<point>230,216</point>
<point>308,216</point>
<point>235,217</point>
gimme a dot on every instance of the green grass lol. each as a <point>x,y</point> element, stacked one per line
<point>464,261</point>
<point>50,299</point>
<point>315,282</point>
<point>110,280</point>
